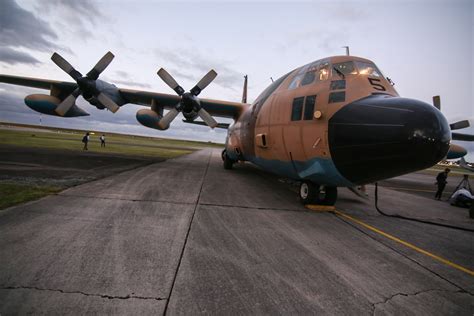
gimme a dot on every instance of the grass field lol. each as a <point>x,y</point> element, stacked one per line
<point>13,194</point>
<point>13,191</point>
<point>115,143</point>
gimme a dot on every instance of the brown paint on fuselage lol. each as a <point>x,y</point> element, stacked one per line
<point>299,140</point>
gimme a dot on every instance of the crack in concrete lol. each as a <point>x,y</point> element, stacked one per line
<point>255,207</point>
<point>66,195</point>
<point>374,305</point>
<point>110,297</point>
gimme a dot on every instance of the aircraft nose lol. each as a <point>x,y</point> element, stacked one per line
<point>381,136</point>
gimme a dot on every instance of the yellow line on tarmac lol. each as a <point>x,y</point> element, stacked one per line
<point>407,244</point>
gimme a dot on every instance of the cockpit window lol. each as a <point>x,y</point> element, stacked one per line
<point>323,71</point>
<point>317,71</point>
<point>308,78</point>
<point>346,68</point>
<point>368,69</point>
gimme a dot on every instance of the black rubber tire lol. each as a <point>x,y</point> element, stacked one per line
<point>311,193</point>
<point>223,155</point>
<point>330,197</point>
<point>228,163</point>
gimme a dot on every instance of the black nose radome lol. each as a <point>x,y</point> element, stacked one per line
<point>380,137</point>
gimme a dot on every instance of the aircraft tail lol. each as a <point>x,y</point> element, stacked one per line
<point>244,93</point>
<point>464,165</point>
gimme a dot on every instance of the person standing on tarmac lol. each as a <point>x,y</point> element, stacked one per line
<point>102,140</point>
<point>85,140</point>
<point>441,182</point>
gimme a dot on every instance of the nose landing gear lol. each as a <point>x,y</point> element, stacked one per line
<point>311,193</point>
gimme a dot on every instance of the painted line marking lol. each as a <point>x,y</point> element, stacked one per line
<point>320,208</point>
<point>407,244</point>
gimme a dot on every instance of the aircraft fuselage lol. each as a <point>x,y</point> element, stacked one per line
<point>338,122</point>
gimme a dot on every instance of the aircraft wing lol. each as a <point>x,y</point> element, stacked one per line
<point>214,107</point>
<point>62,89</point>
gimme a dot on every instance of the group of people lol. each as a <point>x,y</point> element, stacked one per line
<point>462,197</point>
<point>86,139</point>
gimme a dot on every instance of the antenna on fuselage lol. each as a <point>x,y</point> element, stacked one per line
<point>271,78</point>
<point>244,93</point>
<point>347,50</point>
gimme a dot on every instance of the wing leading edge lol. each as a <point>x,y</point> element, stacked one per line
<point>61,89</point>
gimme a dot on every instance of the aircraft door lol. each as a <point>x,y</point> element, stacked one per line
<point>263,139</point>
<point>292,129</point>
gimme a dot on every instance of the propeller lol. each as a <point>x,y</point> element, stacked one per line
<point>456,125</point>
<point>189,100</point>
<point>86,84</point>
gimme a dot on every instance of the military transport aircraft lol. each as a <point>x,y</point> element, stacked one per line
<point>335,122</point>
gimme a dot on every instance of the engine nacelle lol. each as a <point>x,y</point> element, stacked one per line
<point>456,151</point>
<point>150,118</point>
<point>47,104</point>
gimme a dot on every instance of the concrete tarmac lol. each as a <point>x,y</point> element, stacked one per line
<point>187,237</point>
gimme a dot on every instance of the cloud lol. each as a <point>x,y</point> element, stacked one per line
<point>75,16</point>
<point>197,64</point>
<point>78,12</point>
<point>10,102</point>
<point>126,80</point>
<point>21,28</point>
<point>10,56</point>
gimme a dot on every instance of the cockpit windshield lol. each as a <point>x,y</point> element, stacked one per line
<point>367,68</point>
<point>314,72</point>
<point>345,68</point>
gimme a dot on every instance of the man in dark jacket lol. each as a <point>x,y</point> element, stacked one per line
<point>85,140</point>
<point>441,182</point>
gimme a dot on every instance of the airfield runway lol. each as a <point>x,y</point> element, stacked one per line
<point>185,236</point>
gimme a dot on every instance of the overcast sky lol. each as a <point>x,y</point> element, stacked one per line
<point>425,47</point>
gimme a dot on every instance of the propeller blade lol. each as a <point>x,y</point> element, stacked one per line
<point>67,103</point>
<point>206,117</point>
<point>169,80</point>
<point>66,66</point>
<point>108,102</point>
<point>204,82</point>
<point>462,137</point>
<point>100,66</point>
<point>459,125</point>
<point>168,118</point>
<point>437,102</point>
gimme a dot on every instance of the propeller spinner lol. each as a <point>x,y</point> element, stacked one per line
<point>86,84</point>
<point>189,100</point>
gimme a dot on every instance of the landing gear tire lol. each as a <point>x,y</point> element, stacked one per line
<point>223,154</point>
<point>311,193</point>
<point>228,163</point>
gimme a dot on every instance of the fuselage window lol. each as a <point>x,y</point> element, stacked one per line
<point>369,69</point>
<point>309,107</point>
<point>338,84</point>
<point>297,109</point>
<point>335,97</point>
<point>346,68</point>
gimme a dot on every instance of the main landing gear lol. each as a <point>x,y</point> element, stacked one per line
<point>228,163</point>
<point>311,193</point>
